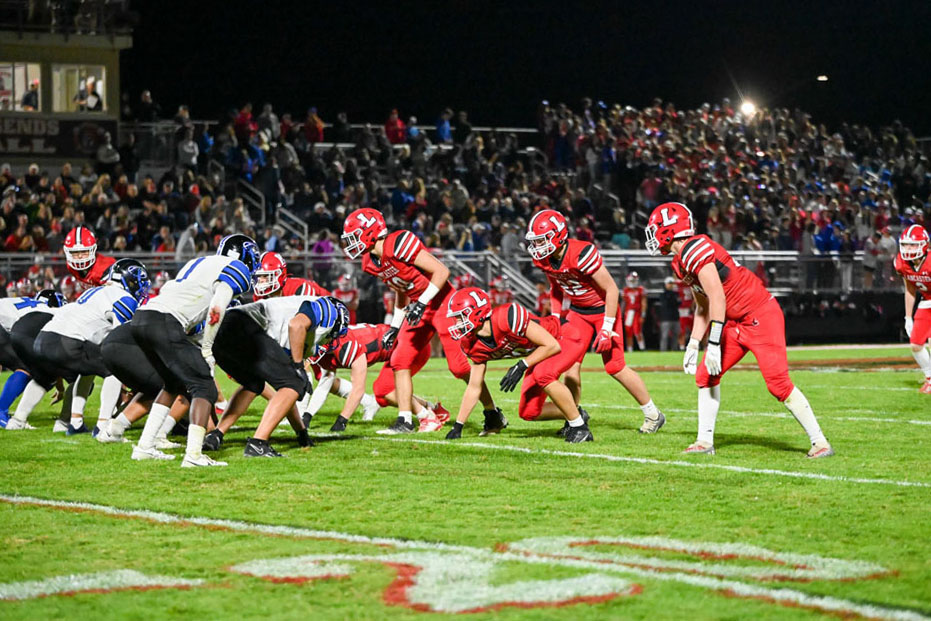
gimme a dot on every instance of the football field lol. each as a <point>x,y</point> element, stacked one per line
<point>518,525</point>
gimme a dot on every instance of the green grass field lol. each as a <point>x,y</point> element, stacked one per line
<point>519,525</point>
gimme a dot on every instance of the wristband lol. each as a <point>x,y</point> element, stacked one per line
<point>428,295</point>
<point>398,317</point>
<point>714,336</point>
<point>607,324</point>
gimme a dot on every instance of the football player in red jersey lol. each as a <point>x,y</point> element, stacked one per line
<point>912,264</point>
<point>420,282</point>
<point>387,299</point>
<point>160,279</point>
<point>739,315</point>
<point>635,311</point>
<point>500,294</point>
<point>543,300</point>
<point>357,351</point>
<point>463,280</point>
<point>272,280</point>
<point>348,295</point>
<point>576,273</point>
<point>84,263</point>
<point>686,312</point>
<point>545,348</point>
<point>69,288</point>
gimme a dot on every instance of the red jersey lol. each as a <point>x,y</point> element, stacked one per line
<point>508,330</point>
<point>571,276</point>
<point>347,298</point>
<point>501,298</point>
<point>363,339</point>
<point>93,276</point>
<point>396,266</point>
<point>633,298</point>
<point>743,291</point>
<point>920,277</point>
<point>297,286</point>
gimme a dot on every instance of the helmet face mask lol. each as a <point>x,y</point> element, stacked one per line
<point>470,308</point>
<point>540,246</point>
<point>353,246</point>
<point>667,223</point>
<point>265,282</point>
<point>913,244</point>
<point>361,230</point>
<point>80,248</point>
<point>546,232</point>
<point>463,325</point>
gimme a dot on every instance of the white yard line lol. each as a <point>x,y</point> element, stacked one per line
<point>661,462</point>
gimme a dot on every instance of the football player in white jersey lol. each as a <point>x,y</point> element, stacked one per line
<point>202,290</point>
<point>11,310</point>
<point>68,346</point>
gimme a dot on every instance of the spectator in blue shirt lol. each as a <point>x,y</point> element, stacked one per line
<point>444,134</point>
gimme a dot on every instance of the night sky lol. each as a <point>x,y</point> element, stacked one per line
<point>499,59</point>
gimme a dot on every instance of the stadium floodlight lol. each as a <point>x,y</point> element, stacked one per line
<point>747,108</point>
<point>822,78</point>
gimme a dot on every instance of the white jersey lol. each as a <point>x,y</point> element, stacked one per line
<point>187,297</point>
<point>274,315</point>
<point>94,315</point>
<point>11,309</point>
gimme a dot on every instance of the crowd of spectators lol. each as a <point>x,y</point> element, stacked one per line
<point>767,180</point>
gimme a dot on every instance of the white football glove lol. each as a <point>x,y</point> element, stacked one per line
<point>713,359</point>
<point>690,360</point>
<point>908,326</point>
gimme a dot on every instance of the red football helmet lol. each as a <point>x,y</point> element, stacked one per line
<point>25,288</point>
<point>499,283</point>
<point>344,283</point>
<point>271,274</point>
<point>633,279</point>
<point>913,244</point>
<point>470,307</point>
<point>160,279</point>
<point>463,280</point>
<point>669,221</point>
<point>80,248</point>
<point>68,287</point>
<point>546,232</point>
<point>362,228</point>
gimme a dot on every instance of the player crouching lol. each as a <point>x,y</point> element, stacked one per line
<point>912,264</point>
<point>739,314</point>
<point>546,350</point>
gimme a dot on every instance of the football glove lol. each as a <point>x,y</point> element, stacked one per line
<point>909,322</point>
<point>302,375</point>
<point>603,341</point>
<point>415,312</point>
<point>513,376</point>
<point>713,359</point>
<point>455,433</point>
<point>387,341</point>
<point>690,360</point>
<point>303,440</point>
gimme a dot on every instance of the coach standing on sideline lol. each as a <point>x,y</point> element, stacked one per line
<point>669,315</point>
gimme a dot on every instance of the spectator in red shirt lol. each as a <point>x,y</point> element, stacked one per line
<point>395,129</point>
<point>313,127</point>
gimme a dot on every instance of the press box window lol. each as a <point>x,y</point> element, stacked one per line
<point>78,88</point>
<point>19,86</point>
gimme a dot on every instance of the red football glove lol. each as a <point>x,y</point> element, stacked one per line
<point>214,316</point>
<point>603,342</point>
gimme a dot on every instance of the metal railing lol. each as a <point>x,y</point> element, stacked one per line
<point>254,199</point>
<point>290,222</point>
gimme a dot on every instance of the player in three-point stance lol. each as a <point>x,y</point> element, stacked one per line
<point>576,272</point>
<point>421,283</point>
<point>912,264</point>
<point>545,350</point>
<point>739,315</point>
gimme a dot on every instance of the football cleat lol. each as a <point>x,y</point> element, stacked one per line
<point>14,424</point>
<point>819,450</point>
<point>495,422</point>
<point>142,454</point>
<point>4,419</point>
<point>442,414</point>
<point>339,424</point>
<point>73,432</point>
<point>60,426</point>
<point>400,426</point>
<point>565,428</point>
<point>369,410</point>
<point>652,425</point>
<point>430,423</point>
<point>201,461</point>
<point>164,444</point>
<point>105,437</point>
<point>577,435</point>
<point>213,441</point>
<point>699,448</point>
<point>95,431</point>
<point>926,389</point>
<point>259,448</point>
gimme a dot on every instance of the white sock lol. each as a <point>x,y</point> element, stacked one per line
<point>407,415</point>
<point>195,441</point>
<point>344,388</point>
<point>119,425</point>
<point>801,410</point>
<point>709,401</point>
<point>649,410</point>
<point>578,421</point>
<point>923,358</point>
<point>83,387</point>
<point>76,421</point>
<point>109,396</point>
<point>153,423</point>
<point>30,398</point>
<point>368,401</point>
<point>221,405</point>
<point>166,428</point>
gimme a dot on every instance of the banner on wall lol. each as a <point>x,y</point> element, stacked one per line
<point>50,137</point>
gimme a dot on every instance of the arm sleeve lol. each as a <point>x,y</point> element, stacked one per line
<point>124,308</point>
<point>318,398</point>
<point>222,295</point>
